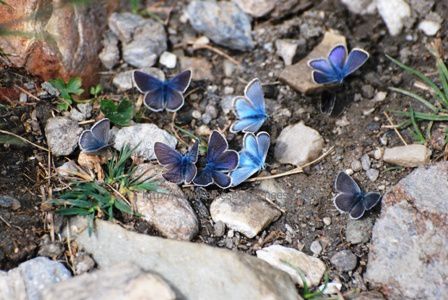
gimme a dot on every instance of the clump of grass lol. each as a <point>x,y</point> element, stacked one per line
<point>436,107</point>
<point>104,199</point>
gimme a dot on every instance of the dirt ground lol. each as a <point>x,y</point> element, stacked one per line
<point>309,195</point>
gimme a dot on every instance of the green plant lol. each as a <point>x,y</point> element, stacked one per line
<point>438,107</point>
<point>98,199</point>
<point>67,90</point>
<point>120,114</point>
<point>135,5</point>
<point>96,90</point>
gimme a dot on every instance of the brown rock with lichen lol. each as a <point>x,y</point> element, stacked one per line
<point>52,38</point>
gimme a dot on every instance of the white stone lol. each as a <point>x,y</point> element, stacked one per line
<point>298,144</point>
<point>331,288</point>
<point>168,60</point>
<point>286,49</point>
<point>295,263</point>
<point>316,247</point>
<point>394,14</point>
<point>123,80</point>
<point>141,138</point>
<point>360,6</point>
<point>244,212</point>
<point>407,156</point>
<point>431,24</point>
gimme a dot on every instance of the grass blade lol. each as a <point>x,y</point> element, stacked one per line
<point>443,74</point>
<point>418,134</point>
<point>422,116</point>
<point>416,97</point>
<point>421,76</point>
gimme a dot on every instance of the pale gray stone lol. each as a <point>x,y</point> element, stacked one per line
<point>344,260</point>
<point>62,135</point>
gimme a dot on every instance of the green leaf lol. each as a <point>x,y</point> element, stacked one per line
<point>73,212</point>
<point>120,114</point>
<point>96,90</point>
<point>74,86</point>
<point>416,97</point>
<point>123,206</point>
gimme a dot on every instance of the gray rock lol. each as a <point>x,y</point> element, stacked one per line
<point>370,295</point>
<point>394,13</point>
<point>243,212</point>
<point>409,253</point>
<point>219,229</point>
<point>81,112</point>
<point>148,42</point>
<point>295,263</point>
<point>49,248</point>
<point>227,104</point>
<point>141,138</point>
<point>124,25</point>
<point>356,165</point>
<point>223,22</point>
<point>358,231</point>
<point>168,211</point>
<point>365,162</point>
<point>196,270</point>
<point>123,81</point>
<point>372,174</point>
<point>122,281</point>
<point>30,278</point>
<point>256,8</point>
<point>50,89</point>
<point>9,202</point>
<point>201,68</point>
<point>344,261</point>
<point>62,135</point>
<point>110,54</point>
<point>68,169</point>
<point>360,6</point>
<point>298,144</point>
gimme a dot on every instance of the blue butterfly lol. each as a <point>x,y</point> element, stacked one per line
<point>250,109</point>
<point>351,199</point>
<point>252,156</point>
<point>181,167</point>
<point>96,138</point>
<point>166,94</point>
<point>218,163</point>
<point>335,68</point>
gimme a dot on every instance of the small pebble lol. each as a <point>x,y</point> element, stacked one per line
<point>356,165</point>
<point>378,154</point>
<point>196,114</point>
<point>316,247</point>
<point>327,221</point>
<point>368,91</point>
<point>344,261</point>
<point>219,229</point>
<point>228,90</point>
<point>168,60</point>
<point>23,98</point>
<point>349,172</point>
<point>372,174</point>
<point>365,162</point>
<point>9,202</point>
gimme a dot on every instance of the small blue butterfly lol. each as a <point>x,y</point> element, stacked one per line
<point>252,156</point>
<point>181,168</point>
<point>250,109</point>
<point>218,163</point>
<point>351,199</point>
<point>337,66</point>
<point>96,138</point>
<point>166,94</point>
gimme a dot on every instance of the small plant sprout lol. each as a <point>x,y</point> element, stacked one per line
<point>105,199</point>
<point>67,91</point>
<point>118,113</point>
<point>436,107</point>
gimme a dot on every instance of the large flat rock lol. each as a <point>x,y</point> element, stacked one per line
<point>195,271</point>
<point>409,253</point>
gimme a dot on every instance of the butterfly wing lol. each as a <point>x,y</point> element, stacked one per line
<point>263,141</point>
<point>221,179</point>
<point>101,129</point>
<point>345,184</point>
<point>217,144</point>
<point>344,202</point>
<point>180,82</point>
<point>203,178</point>
<point>155,100</point>
<point>227,161</point>
<point>174,100</point>
<point>321,65</point>
<point>357,210</point>
<point>146,82</point>
<point>355,60</point>
<point>174,174</point>
<point>338,56</point>
<point>167,156</point>
<point>246,168</point>
<point>193,152</point>
<point>250,119</point>
<point>324,78</point>
<point>371,199</point>
<point>254,92</point>
<point>88,143</point>
<point>189,172</point>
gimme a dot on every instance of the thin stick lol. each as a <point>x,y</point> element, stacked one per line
<point>173,128</point>
<point>217,51</point>
<point>296,170</point>
<point>395,128</point>
<point>273,204</point>
<point>24,139</point>
<point>28,93</point>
